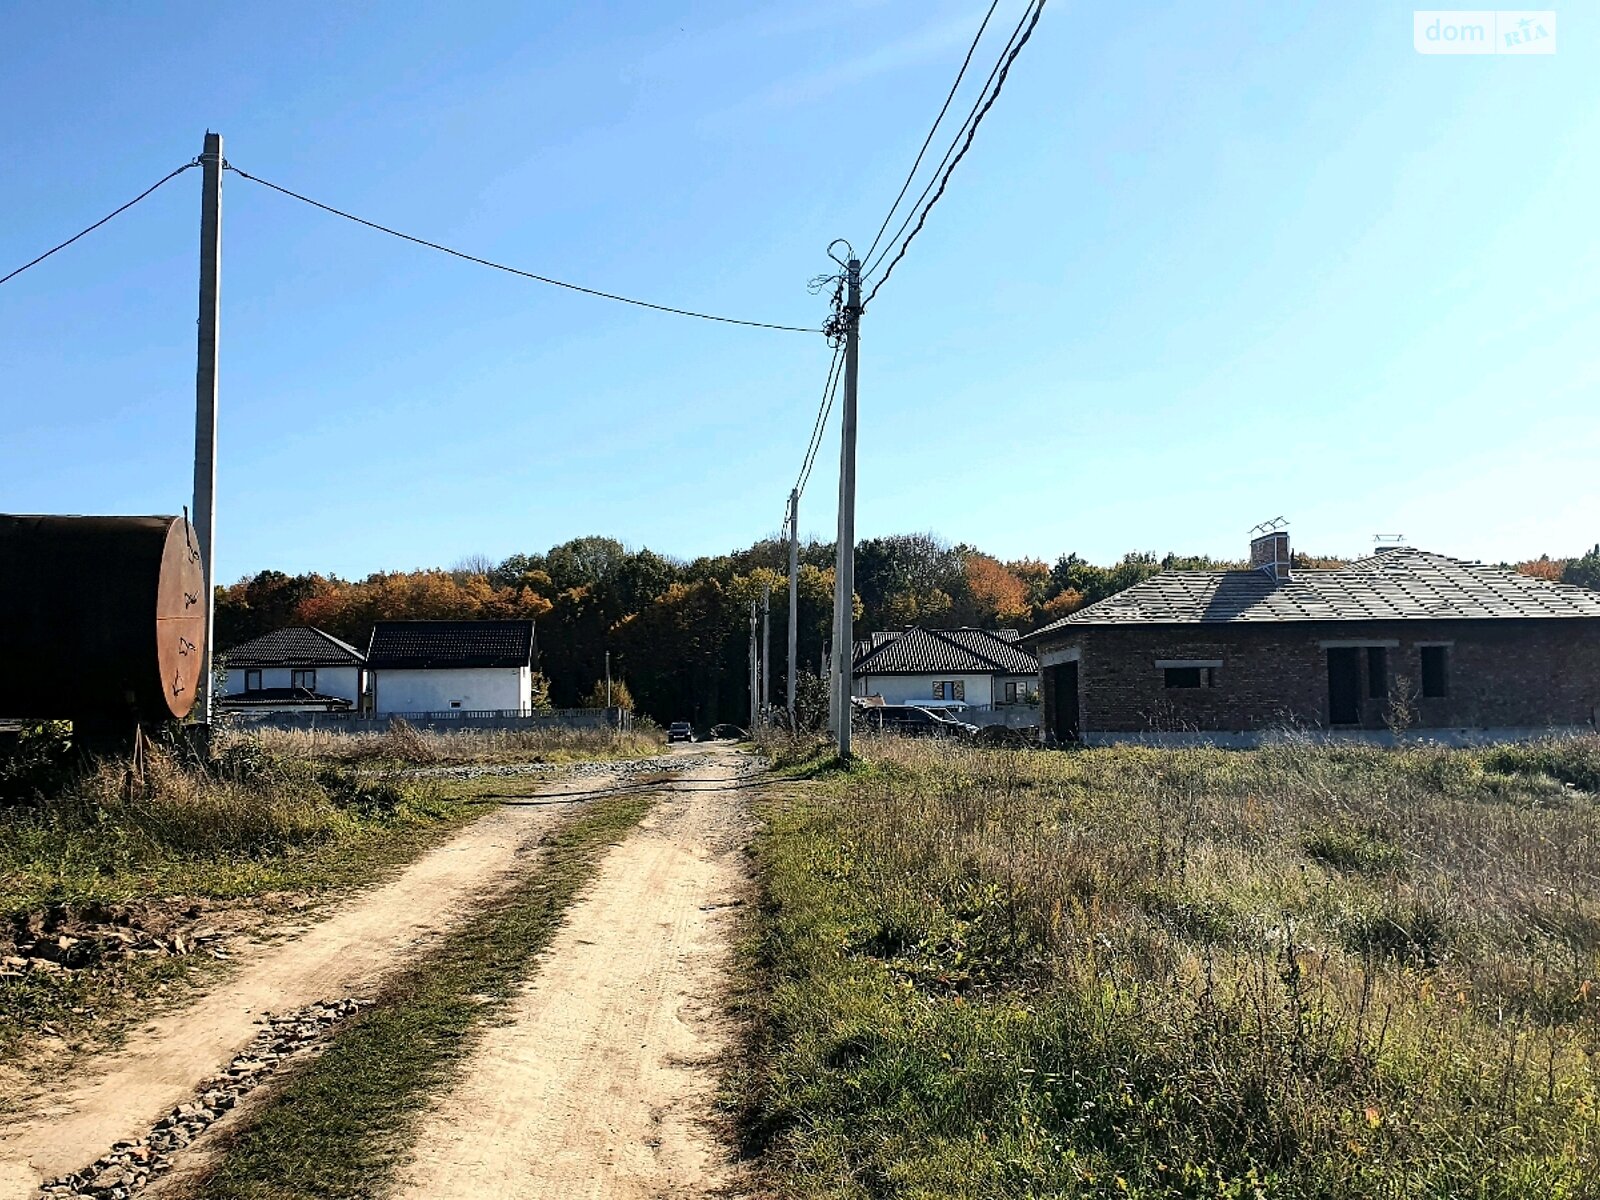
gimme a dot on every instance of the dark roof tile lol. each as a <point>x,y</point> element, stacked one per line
<point>436,644</point>
<point>1400,584</point>
<point>297,646</point>
<point>918,651</point>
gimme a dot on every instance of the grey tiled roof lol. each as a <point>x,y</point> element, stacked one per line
<point>1398,585</point>
<point>920,651</point>
<point>425,644</point>
<point>297,646</point>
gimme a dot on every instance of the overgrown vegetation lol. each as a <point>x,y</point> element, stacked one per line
<point>249,822</point>
<point>404,744</point>
<point>1295,972</point>
<point>336,1127</point>
<point>81,838</point>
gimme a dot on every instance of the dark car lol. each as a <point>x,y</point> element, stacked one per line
<point>909,720</point>
<point>680,731</point>
<point>725,732</point>
<point>1000,735</point>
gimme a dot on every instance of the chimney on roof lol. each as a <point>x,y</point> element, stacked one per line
<point>1269,550</point>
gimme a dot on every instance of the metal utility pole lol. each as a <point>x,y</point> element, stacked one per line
<point>205,402</point>
<point>844,581</point>
<point>794,601</point>
<point>755,693</point>
<point>608,679</point>
<point>766,650</point>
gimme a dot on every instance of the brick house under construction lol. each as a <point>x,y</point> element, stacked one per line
<point>1456,651</point>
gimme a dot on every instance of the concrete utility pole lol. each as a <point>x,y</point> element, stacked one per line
<point>608,679</point>
<point>766,650</point>
<point>205,402</point>
<point>755,685</point>
<point>844,581</point>
<point>794,601</point>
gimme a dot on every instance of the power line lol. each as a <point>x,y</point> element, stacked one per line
<point>933,179</point>
<point>823,410</point>
<point>972,130</point>
<point>101,221</point>
<point>927,141</point>
<point>484,262</point>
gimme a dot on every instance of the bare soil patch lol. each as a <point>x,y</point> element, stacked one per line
<point>121,1094</point>
<point>602,1081</point>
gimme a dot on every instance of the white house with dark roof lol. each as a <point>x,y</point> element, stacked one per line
<point>451,666</point>
<point>299,669</point>
<point>1405,639</point>
<point>983,671</point>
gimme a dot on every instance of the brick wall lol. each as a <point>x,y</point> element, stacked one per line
<point>1502,674</point>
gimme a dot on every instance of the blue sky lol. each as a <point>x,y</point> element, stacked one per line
<point>1206,264</point>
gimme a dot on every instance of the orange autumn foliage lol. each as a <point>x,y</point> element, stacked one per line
<point>993,588</point>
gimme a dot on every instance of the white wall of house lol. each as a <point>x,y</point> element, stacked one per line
<point>344,682</point>
<point>1026,685</point>
<point>440,690</point>
<point>918,689</point>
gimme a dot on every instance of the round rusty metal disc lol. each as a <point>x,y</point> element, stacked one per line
<point>180,619</point>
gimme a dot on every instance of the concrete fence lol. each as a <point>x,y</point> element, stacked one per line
<point>441,722</point>
<point>1012,716</point>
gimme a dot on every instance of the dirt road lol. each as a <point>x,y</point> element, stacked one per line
<point>349,953</point>
<point>602,1081</point>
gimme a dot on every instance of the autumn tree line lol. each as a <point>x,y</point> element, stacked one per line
<point>678,631</point>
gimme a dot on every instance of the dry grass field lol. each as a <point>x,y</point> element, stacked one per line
<point>1300,971</point>
<point>405,744</point>
<point>107,872</point>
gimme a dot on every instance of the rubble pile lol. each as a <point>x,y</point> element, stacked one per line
<point>130,1165</point>
<point>67,937</point>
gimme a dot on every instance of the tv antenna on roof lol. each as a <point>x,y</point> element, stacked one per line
<point>1388,539</point>
<point>1271,526</point>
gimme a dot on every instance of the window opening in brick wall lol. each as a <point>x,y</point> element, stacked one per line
<point>1435,671</point>
<point>1377,672</point>
<point>1185,677</point>
<point>1344,685</point>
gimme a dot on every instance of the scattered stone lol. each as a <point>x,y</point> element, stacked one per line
<point>132,1163</point>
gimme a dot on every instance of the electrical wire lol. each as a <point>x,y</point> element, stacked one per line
<point>1025,28</point>
<point>927,141</point>
<point>829,390</point>
<point>484,262</point>
<point>944,160</point>
<point>972,130</point>
<point>101,221</point>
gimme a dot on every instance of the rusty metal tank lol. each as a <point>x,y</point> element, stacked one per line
<point>102,619</point>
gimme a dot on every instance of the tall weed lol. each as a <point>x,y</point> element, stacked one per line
<point>1300,971</point>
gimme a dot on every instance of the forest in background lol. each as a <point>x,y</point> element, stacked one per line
<point>678,632</point>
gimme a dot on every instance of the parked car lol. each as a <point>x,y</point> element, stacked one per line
<point>726,732</point>
<point>910,720</point>
<point>680,731</point>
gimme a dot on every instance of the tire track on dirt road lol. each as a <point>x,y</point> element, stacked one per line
<point>365,939</point>
<point>602,1080</point>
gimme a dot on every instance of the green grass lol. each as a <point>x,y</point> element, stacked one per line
<point>405,745</point>
<point>1295,972</point>
<point>336,1126</point>
<point>255,826</point>
<point>253,823</point>
<point>272,817</point>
